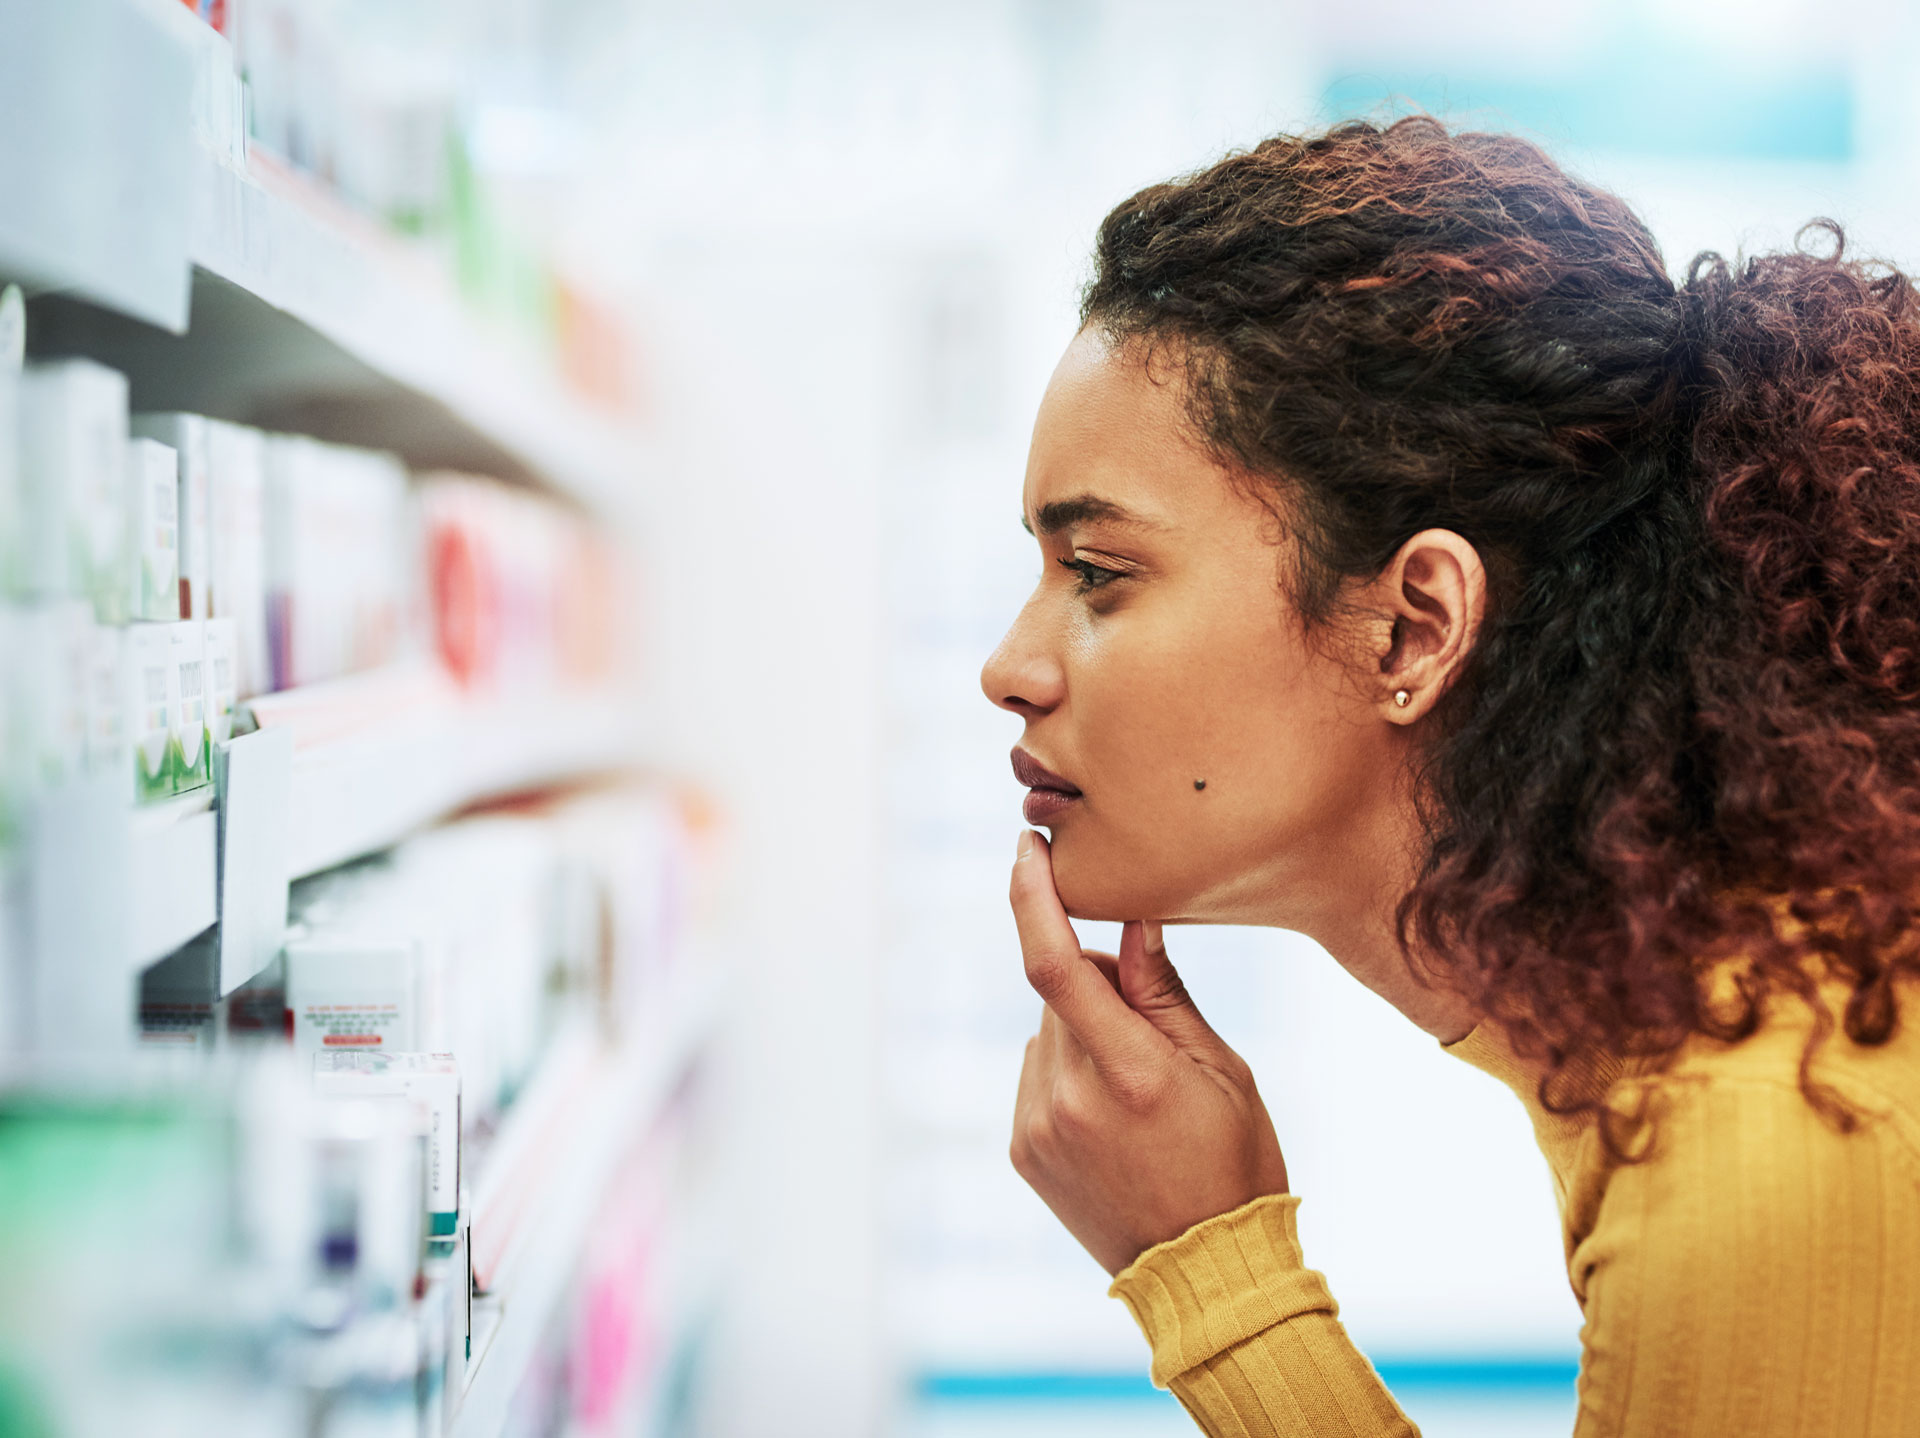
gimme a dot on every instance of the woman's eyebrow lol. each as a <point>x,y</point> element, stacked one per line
<point>1084,509</point>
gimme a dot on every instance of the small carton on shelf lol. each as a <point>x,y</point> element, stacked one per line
<point>222,645</point>
<point>192,757</point>
<point>237,547</point>
<point>73,457</point>
<point>149,674</point>
<point>153,514</point>
<point>187,436</point>
<point>338,559</point>
<point>347,991</point>
<point>431,1079</point>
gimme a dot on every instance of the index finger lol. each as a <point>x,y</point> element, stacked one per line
<point>1070,983</point>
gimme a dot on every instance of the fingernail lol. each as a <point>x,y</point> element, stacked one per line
<point>1026,843</point>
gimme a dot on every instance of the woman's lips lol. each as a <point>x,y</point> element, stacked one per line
<point>1048,795</point>
<point>1044,806</point>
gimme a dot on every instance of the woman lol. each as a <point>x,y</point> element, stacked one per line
<point>1427,573</point>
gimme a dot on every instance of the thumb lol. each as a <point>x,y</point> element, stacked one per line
<point>1153,989</point>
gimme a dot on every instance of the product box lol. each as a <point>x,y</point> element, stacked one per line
<point>339,559</point>
<point>353,992</point>
<point>109,748</point>
<point>222,644</point>
<point>13,340</point>
<point>431,1079</point>
<point>153,518</point>
<point>187,436</point>
<point>187,654</point>
<point>73,457</point>
<point>149,673</point>
<point>236,556</point>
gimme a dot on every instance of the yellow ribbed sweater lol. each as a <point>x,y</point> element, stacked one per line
<point>1757,1277</point>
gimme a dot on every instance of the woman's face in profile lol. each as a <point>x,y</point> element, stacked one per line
<point>1158,654</point>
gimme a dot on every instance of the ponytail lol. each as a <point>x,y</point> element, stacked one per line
<point>1806,449</point>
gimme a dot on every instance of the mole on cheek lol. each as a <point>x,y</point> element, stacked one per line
<point>1199,784</point>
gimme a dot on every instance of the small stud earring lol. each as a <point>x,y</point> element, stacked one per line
<point>1402,697</point>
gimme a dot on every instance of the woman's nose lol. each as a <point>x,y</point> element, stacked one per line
<point>1020,675</point>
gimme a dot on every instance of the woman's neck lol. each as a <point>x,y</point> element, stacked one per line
<point>1363,941</point>
<point>1346,904</point>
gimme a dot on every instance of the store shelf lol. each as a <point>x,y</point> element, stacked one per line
<point>246,290</point>
<point>546,1174</point>
<point>450,391</point>
<point>174,851</point>
<point>308,317</point>
<point>376,758</point>
<point>379,756</point>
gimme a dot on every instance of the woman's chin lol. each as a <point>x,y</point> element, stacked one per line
<point>1102,888</point>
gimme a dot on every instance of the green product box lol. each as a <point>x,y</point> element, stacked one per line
<point>189,752</point>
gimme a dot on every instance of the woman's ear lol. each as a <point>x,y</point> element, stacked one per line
<point>1433,597</point>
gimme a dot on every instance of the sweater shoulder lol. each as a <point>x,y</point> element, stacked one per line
<point>1874,1085</point>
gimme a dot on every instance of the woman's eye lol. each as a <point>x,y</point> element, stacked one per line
<point>1092,576</point>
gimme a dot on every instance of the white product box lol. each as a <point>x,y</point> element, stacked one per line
<point>353,992</point>
<point>337,550</point>
<point>187,654</point>
<point>150,708</point>
<point>222,643</point>
<point>73,427</point>
<point>109,748</point>
<point>153,528</point>
<point>236,556</point>
<point>433,1080</point>
<point>187,436</point>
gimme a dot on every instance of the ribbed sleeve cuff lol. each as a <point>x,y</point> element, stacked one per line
<point>1220,1283</point>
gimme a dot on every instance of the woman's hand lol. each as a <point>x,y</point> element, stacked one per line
<point>1134,1121</point>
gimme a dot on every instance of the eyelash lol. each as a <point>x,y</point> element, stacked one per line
<point>1092,576</point>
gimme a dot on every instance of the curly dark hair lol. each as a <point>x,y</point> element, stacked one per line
<point>1688,731</point>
